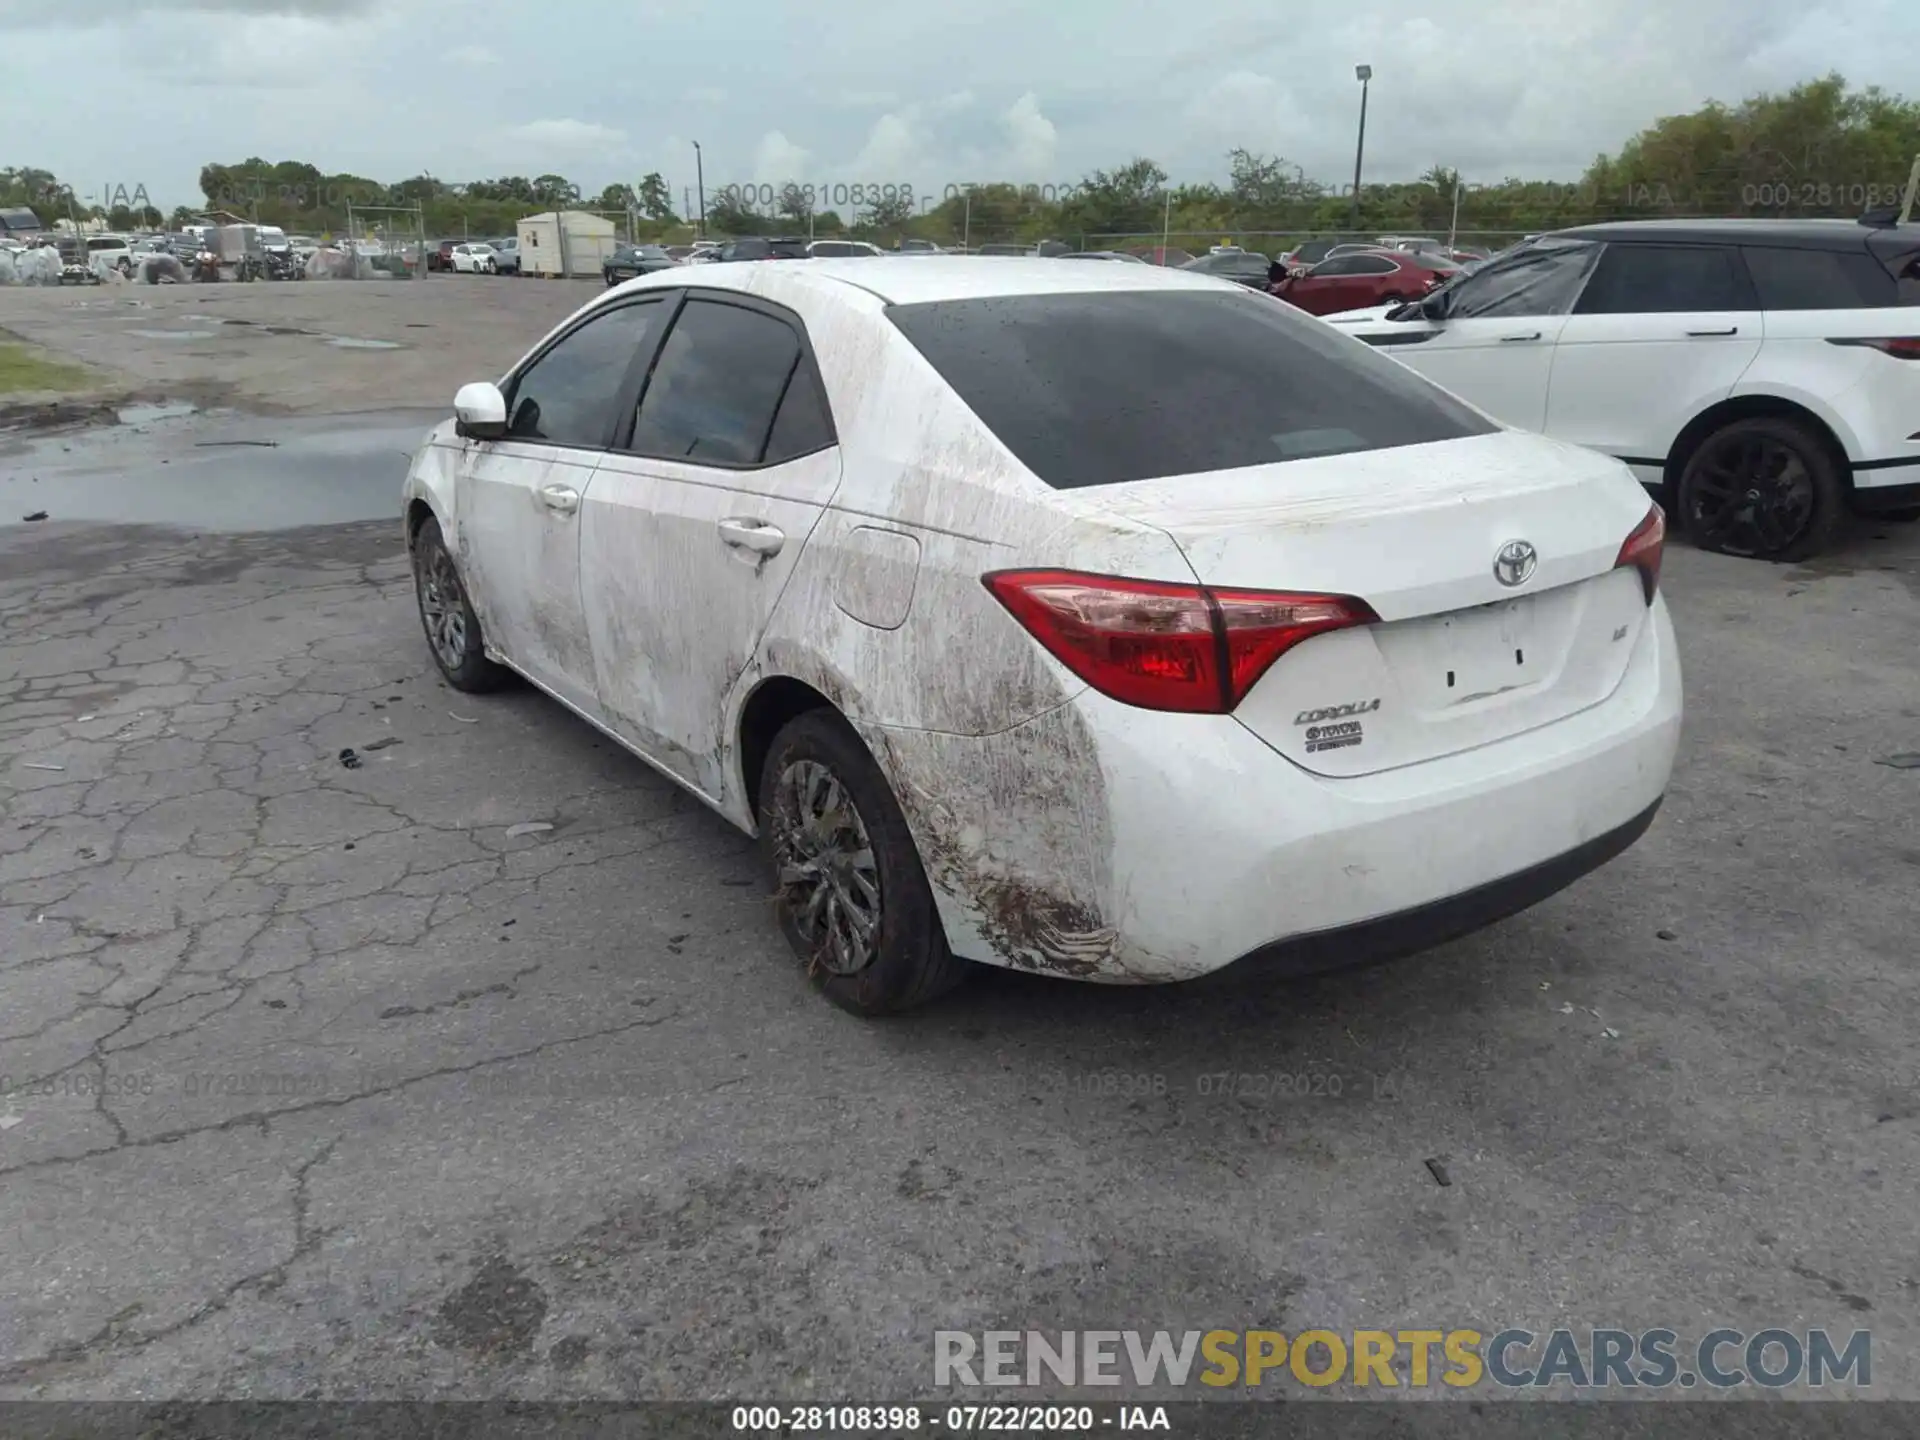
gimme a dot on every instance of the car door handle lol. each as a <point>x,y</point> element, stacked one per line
<point>1515,339</point>
<point>754,535</point>
<point>563,498</point>
<point>1731,330</point>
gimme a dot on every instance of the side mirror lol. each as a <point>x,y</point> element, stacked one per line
<point>480,412</point>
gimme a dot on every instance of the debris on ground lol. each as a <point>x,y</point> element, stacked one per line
<point>1611,1033</point>
<point>37,765</point>
<point>1665,935</point>
<point>36,515</point>
<point>349,760</point>
<point>530,827</point>
<point>1437,1167</point>
<point>1906,760</point>
<point>7,1122</point>
<point>1567,1009</point>
<point>463,719</point>
<point>382,743</point>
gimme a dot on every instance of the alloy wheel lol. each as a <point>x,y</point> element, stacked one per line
<point>442,607</point>
<point>829,880</point>
<point>1751,495</point>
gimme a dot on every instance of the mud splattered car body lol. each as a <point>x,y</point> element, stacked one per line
<point>885,561</point>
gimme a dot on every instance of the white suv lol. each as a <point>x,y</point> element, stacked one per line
<point>1761,377</point>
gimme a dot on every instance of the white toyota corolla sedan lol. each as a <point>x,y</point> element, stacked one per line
<point>1100,621</point>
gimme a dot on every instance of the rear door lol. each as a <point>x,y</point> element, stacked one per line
<point>1494,345</point>
<point>695,521</point>
<point>1659,333</point>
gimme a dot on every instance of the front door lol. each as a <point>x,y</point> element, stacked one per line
<point>1495,345</point>
<point>694,524</point>
<point>1660,333</point>
<point>519,499</point>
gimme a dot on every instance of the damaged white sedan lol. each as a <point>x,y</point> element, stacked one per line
<point>1095,620</point>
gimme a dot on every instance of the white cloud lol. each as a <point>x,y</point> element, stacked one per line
<point>1247,109</point>
<point>475,57</point>
<point>1032,141</point>
<point>892,152</point>
<point>254,52</point>
<point>706,95</point>
<point>953,104</point>
<point>561,146</point>
<point>778,160</point>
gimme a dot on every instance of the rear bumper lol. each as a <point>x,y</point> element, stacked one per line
<point>1113,844</point>
<point>1424,927</point>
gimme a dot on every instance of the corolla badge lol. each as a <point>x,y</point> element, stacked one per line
<point>1515,563</point>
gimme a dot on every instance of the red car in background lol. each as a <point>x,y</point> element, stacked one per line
<point>1361,279</point>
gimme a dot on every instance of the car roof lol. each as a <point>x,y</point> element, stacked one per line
<point>939,277</point>
<point>1792,234</point>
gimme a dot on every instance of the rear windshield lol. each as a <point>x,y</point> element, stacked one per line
<point>1097,389</point>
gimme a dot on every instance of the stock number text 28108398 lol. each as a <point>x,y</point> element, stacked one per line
<point>816,197</point>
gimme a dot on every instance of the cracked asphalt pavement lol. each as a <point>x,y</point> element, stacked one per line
<point>320,1080</point>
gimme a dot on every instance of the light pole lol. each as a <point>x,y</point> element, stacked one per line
<point>1364,74</point>
<point>700,175</point>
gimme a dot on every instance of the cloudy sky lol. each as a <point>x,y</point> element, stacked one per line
<point>108,92</point>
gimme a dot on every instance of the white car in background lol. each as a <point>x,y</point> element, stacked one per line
<point>843,249</point>
<point>1099,621</point>
<point>1762,377</point>
<point>475,258</point>
<point>111,252</point>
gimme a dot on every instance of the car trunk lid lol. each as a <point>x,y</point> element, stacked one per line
<point>1457,659</point>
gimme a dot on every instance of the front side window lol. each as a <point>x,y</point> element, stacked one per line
<point>717,386</point>
<point>569,395</point>
<point>1543,279</point>
<point>1102,389</point>
<point>1666,280</point>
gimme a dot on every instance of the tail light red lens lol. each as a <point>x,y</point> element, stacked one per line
<point>1163,646</point>
<point>1903,347</point>
<point>1643,550</point>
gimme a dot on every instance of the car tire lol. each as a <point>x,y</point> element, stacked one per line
<point>1731,501</point>
<point>452,629</point>
<point>818,767</point>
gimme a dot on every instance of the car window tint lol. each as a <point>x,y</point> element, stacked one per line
<point>713,391</point>
<point>1908,271</point>
<point>803,424</point>
<point>1665,280</point>
<point>568,395</point>
<point>1372,265</point>
<point>1099,389</point>
<point>1541,280</point>
<point>1819,280</point>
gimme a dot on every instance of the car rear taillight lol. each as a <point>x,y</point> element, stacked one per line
<point>1643,549</point>
<point>1164,646</point>
<point>1902,347</point>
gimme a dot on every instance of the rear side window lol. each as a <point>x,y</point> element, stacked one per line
<point>716,385</point>
<point>1907,270</point>
<point>1665,279</point>
<point>1101,389</point>
<point>1820,280</point>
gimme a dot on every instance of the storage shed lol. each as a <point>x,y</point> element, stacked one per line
<point>567,242</point>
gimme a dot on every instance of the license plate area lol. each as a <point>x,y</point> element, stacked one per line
<point>1469,656</point>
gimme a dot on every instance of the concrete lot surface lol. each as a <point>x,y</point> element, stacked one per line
<point>330,1081</point>
<point>307,347</point>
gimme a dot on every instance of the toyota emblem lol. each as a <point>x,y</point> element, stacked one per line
<point>1514,564</point>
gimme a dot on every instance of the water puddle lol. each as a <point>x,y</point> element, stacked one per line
<point>148,414</point>
<point>172,334</point>
<point>348,342</point>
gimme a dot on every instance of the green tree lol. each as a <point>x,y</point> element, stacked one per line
<point>655,201</point>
